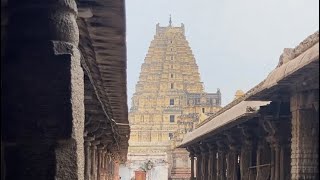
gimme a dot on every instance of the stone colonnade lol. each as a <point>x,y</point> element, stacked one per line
<point>100,163</point>
<point>281,144</point>
<point>218,162</point>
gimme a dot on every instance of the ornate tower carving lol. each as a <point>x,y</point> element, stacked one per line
<point>168,102</point>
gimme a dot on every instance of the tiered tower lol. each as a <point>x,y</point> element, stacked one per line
<point>168,102</point>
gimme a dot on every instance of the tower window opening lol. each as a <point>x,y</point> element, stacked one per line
<point>171,101</point>
<point>171,75</point>
<point>203,110</point>
<point>172,86</point>
<point>171,118</point>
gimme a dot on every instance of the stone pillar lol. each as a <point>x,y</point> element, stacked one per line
<point>275,162</point>
<point>272,162</point>
<point>199,161</point>
<point>221,165</point>
<point>278,158</point>
<point>110,167</point>
<point>285,155</point>
<point>192,165</point>
<point>245,158</point>
<point>212,163</point>
<point>305,135</point>
<point>104,152</point>
<point>204,162</point>
<point>99,164</point>
<point>232,161</point>
<point>87,152</point>
<point>103,168</point>
<point>116,169</point>
<point>94,160</point>
<point>263,160</point>
<point>106,165</point>
<point>43,90</point>
<point>278,138</point>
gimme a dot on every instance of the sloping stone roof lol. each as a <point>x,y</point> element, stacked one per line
<point>303,66</point>
<point>241,111</point>
<point>106,37</point>
<point>289,53</point>
<point>232,104</point>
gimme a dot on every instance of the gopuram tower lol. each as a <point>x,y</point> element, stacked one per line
<point>169,101</point>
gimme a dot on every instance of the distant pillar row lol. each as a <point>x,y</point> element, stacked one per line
<point>99,163</point>
<point>254,157</point>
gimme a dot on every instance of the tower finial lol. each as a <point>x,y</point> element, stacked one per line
<point>170,22</point>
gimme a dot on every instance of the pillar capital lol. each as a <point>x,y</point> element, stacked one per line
<point>100,147</point>
<point>191,154</point>
<point>190,149</point>
<point>304,100</point>
<point>221,145</point>
<point>204,148</point>
<point>88,139</point>
<point>87,143</point>
<point>197,150</point>
<point>95,143</point>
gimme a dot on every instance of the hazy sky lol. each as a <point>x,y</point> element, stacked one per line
<point>236,43</point>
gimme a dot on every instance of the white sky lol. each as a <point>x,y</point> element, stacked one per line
<point>236,43</point>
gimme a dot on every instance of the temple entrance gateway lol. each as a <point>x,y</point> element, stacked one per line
<point>168,103</point>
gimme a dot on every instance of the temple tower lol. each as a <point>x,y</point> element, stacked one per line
<point>168,102</point>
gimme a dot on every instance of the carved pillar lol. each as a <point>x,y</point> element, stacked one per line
<point>263,160</point>
<point>116,168</point>
<point>110,166</point>
<point>42,90</point>
<point>199,161</point>
<point>106,160</point>
<point>221,165</point>
<point>277,161</point>
<point>204,162</point>
<point>88,158</point>
<point>246,152</point>
<point>192,165</point>
<point>285,159</point>
<point>272,162</point>
<point>232,161</point>
<point>99,162</point>
<point>212,163</point>
<point>103,160</point>
<point>305,134</point>
<point>245,159</point>
<point>94,162</point>
<point>232,156</point>
<point>278,138</point>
